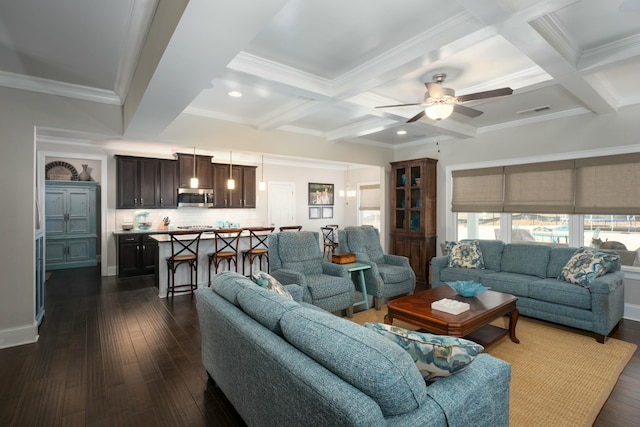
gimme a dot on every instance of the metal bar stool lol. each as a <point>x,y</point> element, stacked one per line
<point>258,247</point>
<point>291,228</point>
<point>329,240</point>
<point>184,250</point>
<point>226,249</point>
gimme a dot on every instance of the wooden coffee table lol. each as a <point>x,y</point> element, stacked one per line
<point>472,324</point>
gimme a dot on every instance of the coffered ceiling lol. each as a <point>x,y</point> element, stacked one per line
<point>319,67</point>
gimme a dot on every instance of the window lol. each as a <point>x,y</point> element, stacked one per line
<point>369,205</point>
<point>473,225</point>
<point>617,232</point>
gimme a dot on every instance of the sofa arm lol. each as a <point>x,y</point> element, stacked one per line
<point>288,277</point>
<point>399,260</point>
<point>607,283</point>
<point>296,292</point>
<point>437,264</point>
<point>334,270</point>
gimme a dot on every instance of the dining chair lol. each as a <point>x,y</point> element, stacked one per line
<point>258,248</point>
<point>184,251</point>
<point>329,240</point>
<point>225,249</point>
<point>291,228</point>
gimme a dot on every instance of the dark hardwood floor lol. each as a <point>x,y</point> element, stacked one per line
<point>111,353</point>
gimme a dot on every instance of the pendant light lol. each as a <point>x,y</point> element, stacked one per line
<point>262,185</point>
<point>194,179</point>
<point>231,183</point>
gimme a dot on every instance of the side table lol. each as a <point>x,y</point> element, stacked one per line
<point>360,268</point>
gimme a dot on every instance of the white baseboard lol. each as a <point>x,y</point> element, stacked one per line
<point>18,336</point>
<point>632,312</point>
<point>112,271</point>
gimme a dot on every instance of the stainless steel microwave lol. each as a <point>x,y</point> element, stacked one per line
<point>195,198</point>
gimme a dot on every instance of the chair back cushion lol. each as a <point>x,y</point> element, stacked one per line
<point>365,240</point>
<point>297,251</point>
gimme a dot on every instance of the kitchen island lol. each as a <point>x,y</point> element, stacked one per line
<point>207,246</point>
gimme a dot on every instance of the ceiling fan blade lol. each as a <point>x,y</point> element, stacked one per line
<point>486,94</point>
<point>398,105</point>
<point>470,112</point>
<point>416,117</point>
<point>434,89</point>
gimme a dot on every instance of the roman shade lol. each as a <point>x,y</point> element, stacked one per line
<point>370,197</point>
<point>595,185</point>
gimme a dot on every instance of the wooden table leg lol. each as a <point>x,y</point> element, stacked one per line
<point>388,319</point>
<point>513,320</point>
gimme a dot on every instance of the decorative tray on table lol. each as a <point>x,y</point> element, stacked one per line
<point>450,306</point>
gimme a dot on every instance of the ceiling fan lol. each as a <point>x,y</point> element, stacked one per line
<point>440,102</point>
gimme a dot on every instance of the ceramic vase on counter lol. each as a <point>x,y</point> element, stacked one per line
<point>84,175</point>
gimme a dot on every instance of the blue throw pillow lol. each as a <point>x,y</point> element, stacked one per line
<point>465,254</point>
<point>435,356</point>
<point>587,264</point>
<point>267,281</point>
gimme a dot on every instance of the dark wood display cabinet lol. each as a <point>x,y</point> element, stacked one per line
<point>413,213</point>
<point>146,183</point>
<point>243,196</point>
<point>137,255</point>
<point>203,170</point>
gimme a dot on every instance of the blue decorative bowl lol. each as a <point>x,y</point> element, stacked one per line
<point>467,289</point>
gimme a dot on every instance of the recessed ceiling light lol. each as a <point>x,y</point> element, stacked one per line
<point>235,94</point>
<point>402,132</point>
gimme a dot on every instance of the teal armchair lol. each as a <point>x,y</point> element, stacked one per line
<point>295,258</point>
<point>390,275</point>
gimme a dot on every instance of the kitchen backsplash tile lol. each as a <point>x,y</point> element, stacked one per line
<point>192,216</point>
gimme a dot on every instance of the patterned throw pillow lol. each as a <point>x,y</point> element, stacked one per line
<point>267,281</point>
<point>435,356</point>
<point>465,254</point>
<point>586,264</point>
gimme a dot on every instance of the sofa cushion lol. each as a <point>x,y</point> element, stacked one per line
<point>560,292</point>
<point>369,362</point>
<point>491,253</point>
<point>508,283</point>
<point>587,264</point>
<point>229,283</point>
<point>525,259</point>
<point>267,281</point>
<point>558,258</point>
<point>465,274</point>
<point>465,254</point>
<point>324,286</point>
<point>435,355</point>
<point>265,306</point>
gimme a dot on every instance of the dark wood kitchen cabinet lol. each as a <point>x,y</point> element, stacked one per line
<point>146,183</point>
<point>203,170</point>
<point>243,196</point>
<point>137,255</point>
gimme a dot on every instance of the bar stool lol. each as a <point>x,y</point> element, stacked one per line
<point>258,247</point>
<point>291,228</point>
<point>226,249</point>
<point>329,240</point>
<point>184,250</point>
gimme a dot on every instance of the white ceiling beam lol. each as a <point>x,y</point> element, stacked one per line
<point>195,54</point>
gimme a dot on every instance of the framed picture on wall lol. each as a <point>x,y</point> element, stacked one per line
<point>327,212</point>
<point>314,212</point>
<point>320,194</point>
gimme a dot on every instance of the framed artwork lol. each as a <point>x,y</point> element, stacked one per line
<point>327,212</point>
<point>314,212</point>
<point>320,194</point>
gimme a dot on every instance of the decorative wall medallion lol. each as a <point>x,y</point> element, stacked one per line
<point>60,171</point>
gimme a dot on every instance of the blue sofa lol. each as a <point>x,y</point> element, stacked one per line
<point>282,363</point>
<point>530,272</point>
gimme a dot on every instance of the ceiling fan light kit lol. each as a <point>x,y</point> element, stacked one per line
<point>440,102</point>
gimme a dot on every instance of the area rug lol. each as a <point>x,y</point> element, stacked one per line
<point>560,376</point>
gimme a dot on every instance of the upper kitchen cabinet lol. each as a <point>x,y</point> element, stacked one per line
<point>203,170</point>
<point>146,183</point>
<point>244,193</point>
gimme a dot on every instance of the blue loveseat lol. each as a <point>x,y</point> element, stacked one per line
<point>530,272</point>
<point>282,363</point>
